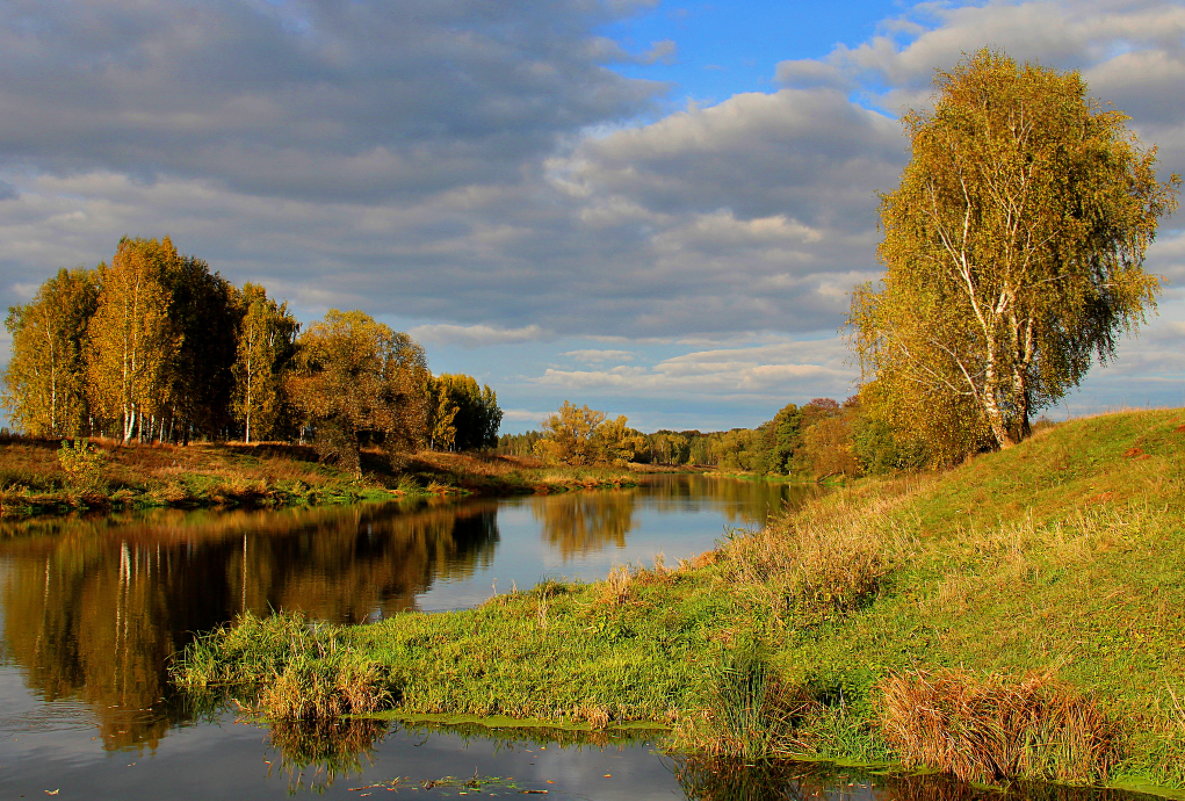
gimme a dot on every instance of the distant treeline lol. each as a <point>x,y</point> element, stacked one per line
<point>156,347</point>
<point>820,439</point>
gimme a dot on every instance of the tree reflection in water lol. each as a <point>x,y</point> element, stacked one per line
<point>578,523</point>
<point>94,608</point>
<point>745,502</point>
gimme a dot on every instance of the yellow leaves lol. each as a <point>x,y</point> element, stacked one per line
<point>131,339</point>
<point>1014,249</point>
<point>356,380</point>
<point>580,436</point>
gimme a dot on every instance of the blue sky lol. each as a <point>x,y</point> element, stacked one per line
<point>654,208</point>
<point>724,48</point>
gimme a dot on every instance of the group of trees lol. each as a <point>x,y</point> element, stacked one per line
<point>156,346</point>
<point>816,440</point>
<point>582,436</point>
<point>1014,250</point>
<point>138,348</point>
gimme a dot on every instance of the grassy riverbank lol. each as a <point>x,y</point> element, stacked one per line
<point>35,480</point>
<point>1023,614</point>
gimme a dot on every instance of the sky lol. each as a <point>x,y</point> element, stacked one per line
<point>654,208</point>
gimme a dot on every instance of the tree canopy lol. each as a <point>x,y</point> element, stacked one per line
<point>464,416</point>
<point>578,435</point>
<point>157,346</point>
<point>1014,250</point>
<point>356,382</point>
<point>46,377</point>
<point>132,339</point>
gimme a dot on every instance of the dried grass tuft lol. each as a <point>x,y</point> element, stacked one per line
<point>990,728</point>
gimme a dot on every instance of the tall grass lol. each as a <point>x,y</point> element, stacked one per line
<point>751,715</point>
<point>827,560</point>
<point>298,670</point>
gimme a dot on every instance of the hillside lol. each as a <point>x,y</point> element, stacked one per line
<point>1021,615</point>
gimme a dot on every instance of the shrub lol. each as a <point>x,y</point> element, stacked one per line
<point>751,715</point>
<point>84,465</point>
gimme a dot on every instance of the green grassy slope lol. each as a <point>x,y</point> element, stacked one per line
<point>1064,555</point>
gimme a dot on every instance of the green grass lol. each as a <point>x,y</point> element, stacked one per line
<point>1063,556</point>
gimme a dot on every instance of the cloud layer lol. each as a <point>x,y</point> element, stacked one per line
<point>481,173</point>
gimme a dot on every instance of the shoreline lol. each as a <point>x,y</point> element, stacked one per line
<point>261,476</point>
<point>1043,576</point>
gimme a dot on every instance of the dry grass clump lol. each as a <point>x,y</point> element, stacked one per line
<point>617,588</point>
<point>826,560</point>
<point>311,690</point>
<point>990,728</point>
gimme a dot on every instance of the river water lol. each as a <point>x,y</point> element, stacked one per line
<point>92,609</point>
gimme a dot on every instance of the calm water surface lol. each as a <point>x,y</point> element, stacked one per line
<point>91,611</point>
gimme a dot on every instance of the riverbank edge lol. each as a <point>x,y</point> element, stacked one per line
<point>34,483</point>
<point>1059,558</point>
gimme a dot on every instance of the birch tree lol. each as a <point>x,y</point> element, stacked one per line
<point>131,340</point>
<point>266,342</point>
<point>1014,250</point>
<point>46,377</point>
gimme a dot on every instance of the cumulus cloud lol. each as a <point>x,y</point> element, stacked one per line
<point>773,372</point>
<point>332,101</point>
<point>478,166</point>
<point>595,355</point>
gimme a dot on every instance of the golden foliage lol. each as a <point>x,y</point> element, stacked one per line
<point>1014,248</point>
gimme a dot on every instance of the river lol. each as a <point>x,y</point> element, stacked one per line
<point>92,609</point>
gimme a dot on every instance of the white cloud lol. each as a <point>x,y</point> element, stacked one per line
<point>475,336</point>
<point>776,373</point>
<point>594,355</point>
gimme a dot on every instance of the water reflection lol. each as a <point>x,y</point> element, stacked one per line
<point>713,780</point>
<point>744,502</point>
<point>578,523</point>
<point>315,754</point>
<point>94,608</point>
<point>717,780</point>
